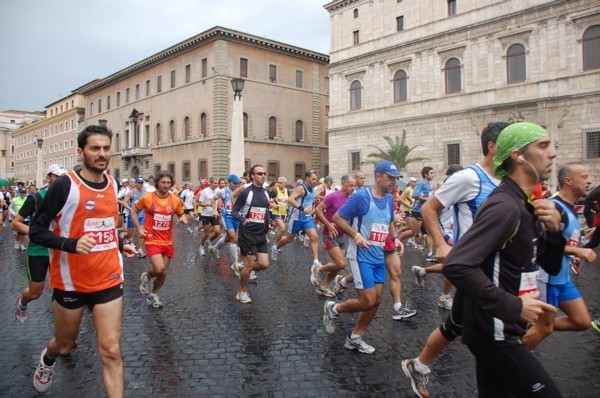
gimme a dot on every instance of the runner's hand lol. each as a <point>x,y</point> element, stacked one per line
<point>129,251</point>
<point>85,244</point>
<point>546,212</point>
<point>142,231</point>
<point>442,251</point>
<point>309,212</point>
<point>184,220</point>
<point>332,231</point>
<point>361,241</point>
<point>533,308</point>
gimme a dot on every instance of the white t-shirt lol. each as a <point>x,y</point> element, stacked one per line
<point>458,189</point>
<point>149,188</point>
<point>121,195</point>
<point>188,199</point>
<point>205,196</point>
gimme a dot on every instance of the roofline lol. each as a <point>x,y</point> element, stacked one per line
<point>205,37</point>
<point>335,4</point>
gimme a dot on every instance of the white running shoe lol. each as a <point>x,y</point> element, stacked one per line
<point>306,241</point>
<point>42,379</point>
<point>420,275</point>
<point>145,283</point>
<point>201,251</point>
<point>274,252</point>
<point>329,317</point>
<point>243,297</point>
<point>325,291</point>
<point>445,301</point>
<point>154,300</point>
<point>404,313</point>
<point>315,277</point>
<point>237,267</point>
<point>253,275</point>
<point>338,288</point>
<point>214,252</point>
<point>359,344</point>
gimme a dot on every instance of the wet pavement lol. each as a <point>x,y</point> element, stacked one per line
<point>205,343</point>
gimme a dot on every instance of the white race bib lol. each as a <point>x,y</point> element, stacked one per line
<point>104,232</point>
<point>161,222</point>
<point>378,235</point>
<point>528,282</point>
<point>257,214</point>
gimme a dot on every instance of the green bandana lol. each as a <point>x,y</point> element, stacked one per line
<point>515,136</point>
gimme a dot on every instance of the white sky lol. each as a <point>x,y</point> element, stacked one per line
<point>50,47</point>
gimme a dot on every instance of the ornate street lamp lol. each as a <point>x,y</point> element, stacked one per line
<point>237,83</point>
<point>39,178</point>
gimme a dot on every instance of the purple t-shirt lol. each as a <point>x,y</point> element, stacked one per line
<point>333,202</point>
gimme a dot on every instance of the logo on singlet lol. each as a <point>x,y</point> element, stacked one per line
<point>90,204</point>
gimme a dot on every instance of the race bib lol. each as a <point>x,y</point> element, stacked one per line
<point>257,214</point>
<point>161,222</point>
<point>574,239</point>
<point>282,200</point>
<point>104,232</point>
<point>528,282</point>
<point>378,235</point>
<point>229,207</point>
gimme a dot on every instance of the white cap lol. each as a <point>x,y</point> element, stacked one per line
<point>56,169</point>
<point>412,179</point>
<point>337,187</point>
<point>124,180</point>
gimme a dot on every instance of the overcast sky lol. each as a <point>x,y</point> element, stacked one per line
<point>49,48</point>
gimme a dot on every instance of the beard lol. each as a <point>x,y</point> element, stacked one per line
<point>90,164</point>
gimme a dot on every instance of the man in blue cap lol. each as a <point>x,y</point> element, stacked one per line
<point>367,217</point>
<point>231,224</point>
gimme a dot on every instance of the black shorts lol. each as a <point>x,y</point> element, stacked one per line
<point>187,211</point>
<point>417,215</point>
<point>212,220</point>
<point>252,243</point>
<point>75,300</point>
<point>37,268</point>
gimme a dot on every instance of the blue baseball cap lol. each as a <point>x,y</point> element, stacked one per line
<point>139,180</point>
<point>233,178</point>
<point>387,167</point>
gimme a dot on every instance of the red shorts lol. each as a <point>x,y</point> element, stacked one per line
<point>153,250</point>
<point>389,245</point>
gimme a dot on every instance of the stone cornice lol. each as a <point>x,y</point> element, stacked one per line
<point>198,41</point>
<point>47,122</point>
<point>337,4</point>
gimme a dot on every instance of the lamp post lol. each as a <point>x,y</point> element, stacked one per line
<point>3,170</point>
<point>39,176</point>
<point>236,154</point>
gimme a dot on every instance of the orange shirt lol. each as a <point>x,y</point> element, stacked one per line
<point>158,222</point>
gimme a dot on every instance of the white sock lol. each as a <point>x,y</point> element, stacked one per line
<point>397,306</point>
<point>421,367</point>
<point>220,243</point>
<point>233,249</point>
<point>334,310</point>
<point>355,336</point>
<point>316,261</point>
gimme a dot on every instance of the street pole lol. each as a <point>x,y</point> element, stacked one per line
<point>236,155</point>
<point>39,175</point>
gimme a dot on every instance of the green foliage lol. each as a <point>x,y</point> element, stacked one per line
<point>397,151</point>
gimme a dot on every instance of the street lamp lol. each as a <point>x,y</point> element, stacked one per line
<point>39,178</point>
<point>236,154</point>
<point>102,122</point>
<point>3,169</point>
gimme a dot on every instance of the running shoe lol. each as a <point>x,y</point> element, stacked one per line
<point>420,275</point>
<point>213,252</point>
<point>338,288</point>
<point>141,253</point>
<point>201,251</point>
<point>21,314</point>
<point>445,301</point>
<point>243,297</point>
<point>359,344</point>
<point>154,301</point>
<point>306,241</point>
<point>315,277</point>
<point>42,379</point>
<point>22,247</point>
<point>596,325</point>
<point>418,381</point>
<point>145,283</point>
<point>190,230</point>
<point>431,258</point>
<point>325,291</point>
<point>253,275</point>
<point>404,313</point>
<point>274,252</point>
<point>237,267</point>
<point>329,317</point>
<point>16,245</point>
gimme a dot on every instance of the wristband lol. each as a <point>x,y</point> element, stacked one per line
<point>301,208</point>
<point>356,237</point>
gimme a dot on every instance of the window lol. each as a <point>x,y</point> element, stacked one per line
<point>451,7</point>
<point>188,72</point>
<point>355,37</point>
<point>172,130</point>
<point>147,135</point>
<point>327,84</point>
<point>452,72</point>
<point>91,108</point>
<point>172,79</point>
<point>126,96</point>
<point>203,124</point>
<point>126,139</point>
<point>400,86</point>
<point>117,142</point>
<point>272,73</point>
<point>108,103</point>
<point>158,84</point>
<point>118,98</point>
<point>272,170</point>
<point>117,174</point>
<point>299,171</point>
<point>355,95</point>
<point>453,154</point>
<point>186,170</point>
<point>355,13</point>
<point>515,63</point>
<point>247,164</point>
<point>400,23</point>
<point>243,67</point>
<point>204,67</point>
<point>245,125</point>
<point>157,168</point>
<point>147,88</point>
<point>299,131</point>
<point>158,133</point>
<point>591,48</point>
<point>299,78</point>
<point>592,145</point>
<point>355,160</point>
<point>99,108</point>
<point>171,168</point>
<point>272,127</point>
<point>203,168</point>
<point>137,92</point>
<point>186,128</point>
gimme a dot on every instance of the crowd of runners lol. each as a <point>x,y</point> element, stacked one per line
<point>500,239</point>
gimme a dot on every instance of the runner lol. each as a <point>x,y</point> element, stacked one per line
<point>187,197</point>
<point>231,224</point>
<point>360,178</point>
<point>494,266</point>
<point>251,209</point>
<point>78,219</point>
<point>14,208</point>
<point>209,214</point>
<point>464,192</point>
<point>136,192</point>
<point>37,256</point>
<point>4,203</point>
<point>280,204</point>
<point>160,207</point>
<point>368,213</point>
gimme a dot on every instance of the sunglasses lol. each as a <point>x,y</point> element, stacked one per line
<point>260,174</point>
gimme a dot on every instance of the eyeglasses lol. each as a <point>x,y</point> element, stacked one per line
<point>260,174</point>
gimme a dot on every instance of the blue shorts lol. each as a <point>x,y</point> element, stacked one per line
<point>366,275</point>
<point>556,294</point>
<point>295,226</point>
<point>141,217</point>
<point>231,223</point>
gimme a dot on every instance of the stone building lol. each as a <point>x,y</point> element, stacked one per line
<point>442,69</point>
<point>56,135</point>
<point>10,121</point>
<point>172,110</point>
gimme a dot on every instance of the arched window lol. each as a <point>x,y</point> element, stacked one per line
<point>400,86</point>
<point>117,142</point>
<point>272,127</point>
<point>203,124</point>
<point>452,72</point>
<point>515,63</point>
<point>591,48</point>
<point>158,133</point>
<point>245,125</point>
<point>172,130</point>
<point>355,95</point>
<point>299,130</point>
<point>356,13</point>
<point>187,128</point>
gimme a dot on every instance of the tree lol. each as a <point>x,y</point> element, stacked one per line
<point>397,152</point>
